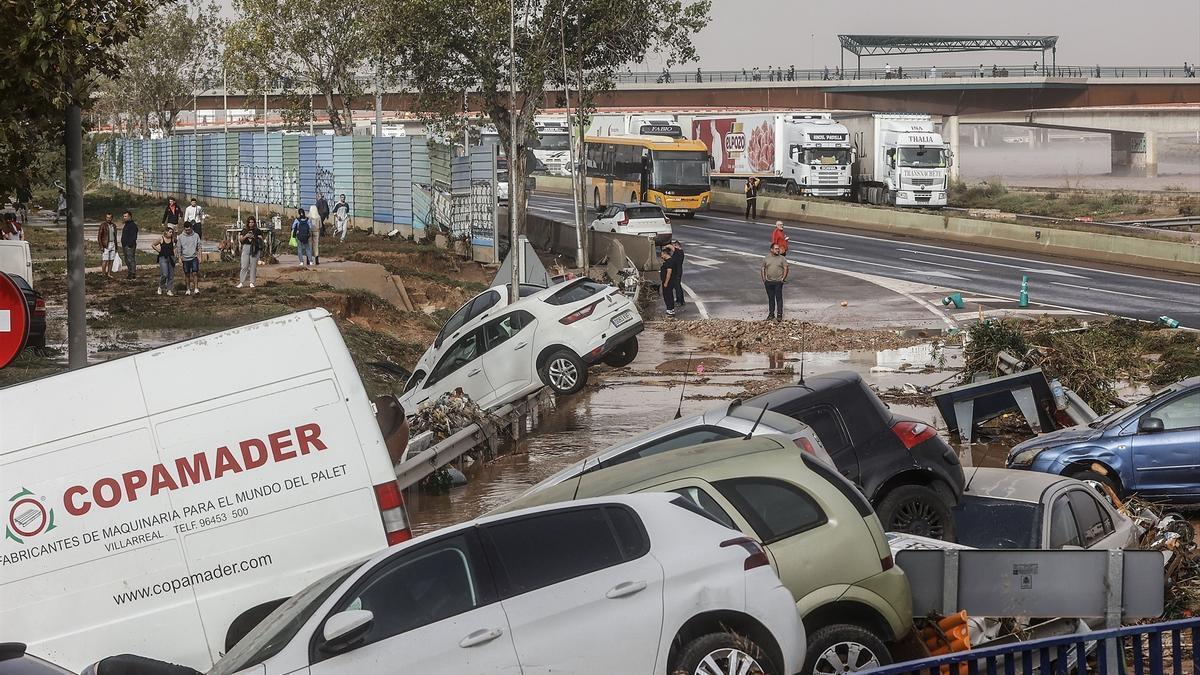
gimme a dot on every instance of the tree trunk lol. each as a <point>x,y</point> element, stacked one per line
<point>518,175</point>
<point>335,116</point>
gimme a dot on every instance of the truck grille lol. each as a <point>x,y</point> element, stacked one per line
<point>924,181</point>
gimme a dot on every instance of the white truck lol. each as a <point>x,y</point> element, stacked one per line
<point>800,152</point>
<point>901,160</point>
<point>552,153</point>
<point>162,504</point>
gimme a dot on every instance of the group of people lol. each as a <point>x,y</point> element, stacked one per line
<point>308,227</point>
<point>179,243</point>
<point>670,274</point>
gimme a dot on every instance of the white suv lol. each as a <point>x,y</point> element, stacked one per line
<point>641,218</point>
<point>498,351</point>
<point>625,584</point>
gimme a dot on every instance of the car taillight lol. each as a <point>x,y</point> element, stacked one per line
<point>39,307</point>
<point>624,220</point>
<point>581,313</point>
<point>912,434</point>
<point>757,557</point>
<point>887,563</point>
<point>391,509</point>
<point>805,445</point>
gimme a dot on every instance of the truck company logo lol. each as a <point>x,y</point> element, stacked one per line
<point>735,141</point>
<point>922,139</point>
<point>827,137</point>
<point>28,516</point>
<point>662,130</point>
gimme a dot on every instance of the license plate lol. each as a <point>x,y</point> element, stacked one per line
<point>622,318</point>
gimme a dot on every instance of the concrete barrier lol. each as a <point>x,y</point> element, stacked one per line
<point>547,234</point>
<point>1076,244</point>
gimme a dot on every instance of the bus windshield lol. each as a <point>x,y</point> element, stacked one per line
<point>826,156</point>
<point>923,158</point>
<point>680,168</point>
<point>552,142</point>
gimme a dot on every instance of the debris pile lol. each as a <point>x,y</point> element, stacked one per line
<point>735,335</point>
<point>446,414</point>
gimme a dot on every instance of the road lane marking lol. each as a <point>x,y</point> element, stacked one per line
<point>930,262</point>
<point>695,300</point>
<point>988,262</point>
<point>706,229</point>
<point>1104,290</point>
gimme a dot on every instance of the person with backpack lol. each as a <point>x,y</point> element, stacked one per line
<point>251,240</point>
<point>302,231</point>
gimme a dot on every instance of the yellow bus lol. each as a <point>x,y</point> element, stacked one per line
<point>666,170</point>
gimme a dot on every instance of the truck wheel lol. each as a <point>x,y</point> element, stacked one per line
<point>916,509</point>
<point>792,188</point>
<point>564,372</point>
<point>844,648</point>
<point>729,653</point>
<point>623,355</point>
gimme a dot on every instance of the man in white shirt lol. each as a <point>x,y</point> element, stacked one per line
<point>195,215</point>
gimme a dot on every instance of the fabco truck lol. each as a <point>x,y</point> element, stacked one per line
<point>801,152</point>
<point>901,160</point>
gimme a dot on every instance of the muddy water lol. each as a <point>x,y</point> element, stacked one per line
<point>620,404</point>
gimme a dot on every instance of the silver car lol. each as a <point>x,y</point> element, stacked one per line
<point>723,422</point>
<point>1010,509</point>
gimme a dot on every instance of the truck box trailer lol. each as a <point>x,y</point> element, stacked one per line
<point>901,160</point>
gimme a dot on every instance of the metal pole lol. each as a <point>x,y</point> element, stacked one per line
<point>195,116</point>
<point>312,111</point>
<point>579,231</point>
<point>466,127</point>
<point>225,98</point>
<point>265,130</point>
<point>76,293</point>
<point>514,249</point>
<point>378,110</point>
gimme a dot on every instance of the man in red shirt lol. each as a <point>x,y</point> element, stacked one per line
<point>778,238</point>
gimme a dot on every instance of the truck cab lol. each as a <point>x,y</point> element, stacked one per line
<point>819,156</point>
<point>917,169</point>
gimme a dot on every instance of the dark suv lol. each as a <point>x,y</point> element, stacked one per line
<point>912,477</point>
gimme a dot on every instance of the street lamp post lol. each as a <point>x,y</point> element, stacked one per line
<point>579,231</point>
<point>514,250</point>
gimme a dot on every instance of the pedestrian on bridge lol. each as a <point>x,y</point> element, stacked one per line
<point>774,273</point>
<point>751,198</point>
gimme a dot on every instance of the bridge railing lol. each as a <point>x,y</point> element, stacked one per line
<point>790,74</point>
<point>1148,648</point>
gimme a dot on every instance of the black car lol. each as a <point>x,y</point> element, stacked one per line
<point>911,476</point>
<point>37,313</point>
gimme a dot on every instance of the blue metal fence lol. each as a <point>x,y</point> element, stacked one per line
<point>1151,649</point>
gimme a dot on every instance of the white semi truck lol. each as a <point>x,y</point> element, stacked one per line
<point>901,160</point>
<point>801,152</point>
<point>552,152</point>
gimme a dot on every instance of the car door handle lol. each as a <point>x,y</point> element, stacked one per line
<point>625,588</point>
<point>479,637</point>
<point>521,345</point>
<point>475,372</point>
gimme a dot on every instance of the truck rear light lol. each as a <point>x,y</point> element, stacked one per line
<point>391,509</point>
<point>805,445</point>
<point>757,557</point>
<point>581,313</point>
<point>912,434</point>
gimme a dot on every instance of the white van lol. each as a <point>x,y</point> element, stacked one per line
<point>16,258</point>
<point>161,504</point>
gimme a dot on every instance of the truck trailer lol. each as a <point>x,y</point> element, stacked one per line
<point>900,160</point>
<point>800,152</point>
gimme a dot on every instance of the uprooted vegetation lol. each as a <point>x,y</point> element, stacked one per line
<point>1088,358</point>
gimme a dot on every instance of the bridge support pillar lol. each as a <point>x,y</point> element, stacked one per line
<point>1134,154</point>
<point>950,135</point>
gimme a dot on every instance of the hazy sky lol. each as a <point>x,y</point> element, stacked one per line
<point>1111,32</point>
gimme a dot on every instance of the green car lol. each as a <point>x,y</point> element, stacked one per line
<point>824,540</point>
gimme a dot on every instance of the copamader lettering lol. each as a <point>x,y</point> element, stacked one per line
<point>201,467</point>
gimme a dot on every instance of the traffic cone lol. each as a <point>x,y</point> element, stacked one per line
<point>1024,291</point>
<point>956,299</point>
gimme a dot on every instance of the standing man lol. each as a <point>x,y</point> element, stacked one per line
<point>666,276</point>
<point>341,216</point>
<point>106,239</point>
<point>129,236</point>
<point>189,251</point>
<point>778,238</point>
<point>751,198</point>
<point>172,214</point>
<point>322,210</point>
<point>774,274</point>
<point>194,215</point>
<point>677,277</point>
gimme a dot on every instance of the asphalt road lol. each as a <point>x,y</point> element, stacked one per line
<point>724,251</point>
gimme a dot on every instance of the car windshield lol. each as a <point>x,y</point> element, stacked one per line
<point>923,158</point>
<point>984,522</point>
<point>1123,413</point>
<point>679,168</point>
<point>826,156</point>
<point>552,142</point>
<point>274,632</point>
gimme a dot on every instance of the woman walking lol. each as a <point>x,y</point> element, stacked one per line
<point>251,242</point>
<point>314,217</point>
<point>165,247</point>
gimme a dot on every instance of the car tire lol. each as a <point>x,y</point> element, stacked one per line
<point>564,372</point>
<point>916,509</point>
<point>830,648</point>
<point>623,355</point>
<point>1090,476</point>
<point>727,651</point>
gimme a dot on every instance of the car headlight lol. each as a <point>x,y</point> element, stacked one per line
<point>905,195</point>
<point>1025,457</point>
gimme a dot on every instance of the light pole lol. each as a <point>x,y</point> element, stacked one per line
<point>514,250</point>
<point>579,231</point>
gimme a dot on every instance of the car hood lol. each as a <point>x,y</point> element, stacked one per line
<point>1081,432</point>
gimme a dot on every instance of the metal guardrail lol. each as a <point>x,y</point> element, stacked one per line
<point>1148,655</point>
<point>422,456</point>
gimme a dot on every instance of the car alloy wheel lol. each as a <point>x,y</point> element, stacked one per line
<point>563,374</point>
<point>845,657</point>
<point>920,518</point>
<point>728,661</point>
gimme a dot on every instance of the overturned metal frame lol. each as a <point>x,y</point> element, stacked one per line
<point>880,45</point>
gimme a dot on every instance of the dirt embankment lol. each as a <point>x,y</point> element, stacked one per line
<point>735,336</point>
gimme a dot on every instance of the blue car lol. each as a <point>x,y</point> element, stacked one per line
<point>1151,447</point>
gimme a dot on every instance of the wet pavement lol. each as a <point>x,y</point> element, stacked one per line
<point>621,403</point>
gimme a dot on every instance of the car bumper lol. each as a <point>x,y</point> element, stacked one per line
<point>888,593</point>
<point>768,601</point>
<point>611,342</point>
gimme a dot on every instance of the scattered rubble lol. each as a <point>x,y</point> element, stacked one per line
<point>446,414</point>
<point>735,335</point>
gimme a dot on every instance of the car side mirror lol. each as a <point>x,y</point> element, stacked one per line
<point>1150,425</point>
<point>345,628</point>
